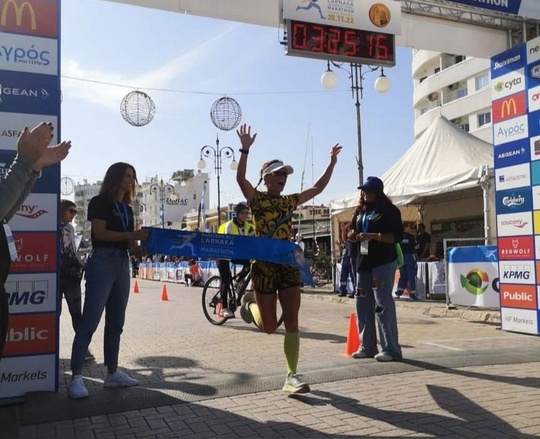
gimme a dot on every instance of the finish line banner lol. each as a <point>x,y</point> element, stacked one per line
<point>220,246</point>
<point>523,8</point>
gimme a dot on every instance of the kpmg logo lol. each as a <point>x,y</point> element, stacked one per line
<point>29,17</point>
<point>522,273</point>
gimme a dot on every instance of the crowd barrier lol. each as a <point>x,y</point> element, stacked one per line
<point>174,271</point>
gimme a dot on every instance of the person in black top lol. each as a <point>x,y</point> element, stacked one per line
<point>407,272</point>
<point>376,227</point>
<point>107,276</point>
<point>423,241</point>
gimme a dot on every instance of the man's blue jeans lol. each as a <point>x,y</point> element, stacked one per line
<point>407,273</point>
<point>347,270</point>
<point>376,286</point>
<point>107,288</point>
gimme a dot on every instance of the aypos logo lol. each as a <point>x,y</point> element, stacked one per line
<point>21,53</point>
<point>510,130</point>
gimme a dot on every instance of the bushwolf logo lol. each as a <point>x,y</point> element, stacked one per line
<point>475,282</point>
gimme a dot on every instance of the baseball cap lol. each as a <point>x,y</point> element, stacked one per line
<point>277,165</point>
<point>374,184</point>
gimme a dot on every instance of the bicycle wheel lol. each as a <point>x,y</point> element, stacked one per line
<point>211,301</point>
<point>320,279</point>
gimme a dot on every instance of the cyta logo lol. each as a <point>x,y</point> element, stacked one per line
<point>476,281</point>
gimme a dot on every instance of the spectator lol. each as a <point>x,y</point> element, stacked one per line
<point>195,277</point>
<point>376,227</point>
<point>347,267</point>
<point>423,241</point>
<point>32,156</point>
<point>71,266</point>
<point>407,272</point>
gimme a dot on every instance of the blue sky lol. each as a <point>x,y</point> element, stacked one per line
<point>198,60</point>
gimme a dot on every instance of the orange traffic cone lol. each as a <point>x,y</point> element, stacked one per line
<point>164,295</point>
<point>136,287</point>
<point>353,338</point>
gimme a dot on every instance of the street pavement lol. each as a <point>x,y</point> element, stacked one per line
<point>461,377</point>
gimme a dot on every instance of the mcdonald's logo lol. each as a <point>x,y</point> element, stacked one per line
<point>29,17</point>
<point>509,107</point>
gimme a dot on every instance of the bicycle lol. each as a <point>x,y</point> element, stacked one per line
<point>213,306</point>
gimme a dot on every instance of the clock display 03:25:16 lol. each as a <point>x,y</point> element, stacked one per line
<point>340,44</point>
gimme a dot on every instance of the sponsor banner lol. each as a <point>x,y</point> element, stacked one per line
<point>514,200</point>
<point>36,252</point>
<point>509,61</point>
<point>535,147</point>
<point>519,320</point>
<point>29,93</point>
<point>513,153</point>
<point>473,276</point>
<point>380,16</point>
<point>518,296</point>
<point>532,47</point>
<point>517,272</point>
<point>537,246</point>
<point>535,172</point>
<point>533,82</point>
<point>11,125</point>
<point>516,247</point>
<point>523,8</point>
<point>509,107</point>
<point>533,123</point>
<point>511,130</point>
<point>31,293</point>
<point>509,84</point>
<point>21,53</point>
<point>19,376</point>
<point>512,177</point>
<point>515,224</point>
<point>536,197</point>
<point>536,221</point>
<point>38,213</point>
<point>49,182</point>
<point>29,17</point>
<point>30,334</point>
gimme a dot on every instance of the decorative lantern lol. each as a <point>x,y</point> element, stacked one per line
<point>137,108</point>
<point>226,114</point>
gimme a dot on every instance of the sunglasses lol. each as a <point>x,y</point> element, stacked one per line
<point>73,211</point>
<point>279,174</point>
<point>244,212</point>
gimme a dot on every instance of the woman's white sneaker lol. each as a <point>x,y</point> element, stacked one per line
<point>76,389</point>
<point>119,379</point>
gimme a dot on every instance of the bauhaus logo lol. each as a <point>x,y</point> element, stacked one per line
<point>521,272</point>
<point>31,334</point>
<point>509,107</point>
<point>29,17</point>
<point>516,247</point>
<point>515,224</point>
<point>31,292</point>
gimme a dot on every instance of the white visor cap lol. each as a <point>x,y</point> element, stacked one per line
<point>278,166</point>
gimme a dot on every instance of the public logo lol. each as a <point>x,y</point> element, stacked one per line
<point>509,107</point>
<point>379,15</point>
<point>521,272</point>
<point>31,334</point>
<point>518,296</point>
<point>509,130</point>
<point>475,282</point>
<point>29,17</point>
<point>516,247</point>
<point>36,252</point>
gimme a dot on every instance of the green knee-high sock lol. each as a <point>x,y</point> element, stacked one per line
<point>254,309</point>
<point>291,346</point>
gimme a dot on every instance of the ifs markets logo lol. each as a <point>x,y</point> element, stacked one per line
<point>475,282</point>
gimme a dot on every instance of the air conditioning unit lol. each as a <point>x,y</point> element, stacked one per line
<point>433,96</point>
<point>456,121</point>
<point>454,86</point>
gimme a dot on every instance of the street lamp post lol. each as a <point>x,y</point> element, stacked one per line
<point>356,75</point>
<point>164,190</point>
<point>138,208</point>
<point>218,154</point>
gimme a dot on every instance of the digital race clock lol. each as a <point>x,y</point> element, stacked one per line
<point>322,41</point>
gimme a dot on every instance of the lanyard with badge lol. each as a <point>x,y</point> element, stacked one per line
<point>366,218</point>
<point>10,242</point>
<point>124,218</point>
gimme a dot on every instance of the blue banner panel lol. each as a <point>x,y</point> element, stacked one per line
<point>48,183</point>
<point>523,8</point>
<point>509,61</point>
<point>514,200</point>
<point>29,93</point>
<point>221,246</point>
<point>512,153</point>
<point>478,253</point>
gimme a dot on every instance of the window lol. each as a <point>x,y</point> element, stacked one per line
<point>481,81</point>
<point>484,118</point>
<point>464,127</point>
<point>462,93</point>
<point>437,70</point>
<point>460,58</point>
<point>423,79</point>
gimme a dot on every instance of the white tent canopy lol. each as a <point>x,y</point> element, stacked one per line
<point>443,159</point>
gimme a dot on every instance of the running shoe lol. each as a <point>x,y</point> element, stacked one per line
<point>293,384</point>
